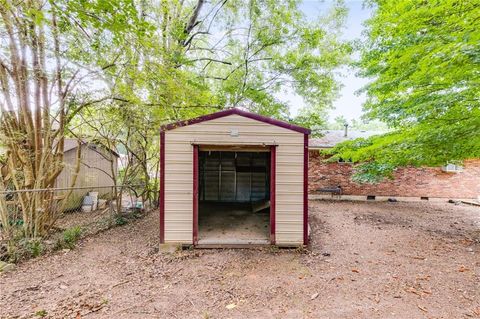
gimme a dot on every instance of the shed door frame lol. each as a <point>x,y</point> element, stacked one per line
<point>273,160</point>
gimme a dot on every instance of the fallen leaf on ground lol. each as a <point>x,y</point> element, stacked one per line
<point>231,306</point>
<point>355,270</point>
<point>466,242</point>
<point>463,268</point>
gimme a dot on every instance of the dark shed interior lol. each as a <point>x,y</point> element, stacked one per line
<point>234,194</point>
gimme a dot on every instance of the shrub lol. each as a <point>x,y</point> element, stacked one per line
<point>21,248</point>
<point>70,237</point>
<point>35,247</point>
<point>120,220</point>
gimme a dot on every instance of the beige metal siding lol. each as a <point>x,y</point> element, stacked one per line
<point>179,173</point>
<point>95,171</point>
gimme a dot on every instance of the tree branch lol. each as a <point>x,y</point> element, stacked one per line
<point>192,22</point>
<point>210,60</point>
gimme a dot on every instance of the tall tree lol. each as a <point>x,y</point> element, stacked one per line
<point>423,58</point>
<point>44,83</point>
<point>247,52</point>
<point>204,56</point>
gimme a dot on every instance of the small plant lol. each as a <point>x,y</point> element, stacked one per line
<point>22,248</point>
<point>70,237</point>
<point>274,249</point>
<point>120,220</point>
<point>41,313</point>
<point>35,247</point>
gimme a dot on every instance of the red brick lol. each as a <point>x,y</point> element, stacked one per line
<point>407,182</point>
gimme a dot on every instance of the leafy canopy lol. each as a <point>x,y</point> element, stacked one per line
<point>161,61</point>
<point>424,61</point>
<point>185,58</point>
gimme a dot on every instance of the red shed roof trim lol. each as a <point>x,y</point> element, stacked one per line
<point>235,111</point>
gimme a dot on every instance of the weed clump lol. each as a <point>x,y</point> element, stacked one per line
<point>120,220</point>
<point>35,247</point>
<point>70,237</point>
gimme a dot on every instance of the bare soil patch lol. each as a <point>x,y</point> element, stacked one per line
<point>367,260</point>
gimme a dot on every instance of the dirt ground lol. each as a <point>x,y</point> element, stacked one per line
<point>367,260</point>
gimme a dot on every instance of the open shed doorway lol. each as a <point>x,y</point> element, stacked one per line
<point>234,196</point>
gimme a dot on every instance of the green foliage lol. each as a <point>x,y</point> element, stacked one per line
<point>159,68</point>
<point>124,218</point>
<point>120,220</point>
<point>371,173</point>
<point>23,248</point>
<point>35,247</point>
<point>70,237</point>
<point>423,57</point>
<point>41,313</point>
<point>114,71</point>
<point>237,53</point>
<point>313,120</point>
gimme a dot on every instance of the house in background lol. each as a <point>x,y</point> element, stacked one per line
<point>409,182</point>
<point>331,138</point>
<point>98,167</point>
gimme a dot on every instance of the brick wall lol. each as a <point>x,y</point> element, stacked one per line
<point>408,182</point>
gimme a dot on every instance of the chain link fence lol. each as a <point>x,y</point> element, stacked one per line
<point>37,220</point>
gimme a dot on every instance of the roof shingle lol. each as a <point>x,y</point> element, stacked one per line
<point>334,137</point>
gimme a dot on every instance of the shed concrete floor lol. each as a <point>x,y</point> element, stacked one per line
<point>232,223</point>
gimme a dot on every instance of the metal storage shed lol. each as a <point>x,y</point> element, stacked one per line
<point>233,178</point>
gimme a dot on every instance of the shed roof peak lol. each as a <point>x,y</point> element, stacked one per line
<point>236,111</point>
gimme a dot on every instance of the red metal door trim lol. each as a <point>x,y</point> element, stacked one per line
<point>195,194</point>
<point>273,160</point>
<point>305,189</point>
<point>162,187</point>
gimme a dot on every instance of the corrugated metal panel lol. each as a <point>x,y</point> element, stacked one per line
<point>233,176</point>
<point>212,179</point>
<point>243,187</point>
<point>95,171</point>
<point>179,169</point>
<point>258,186</point>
